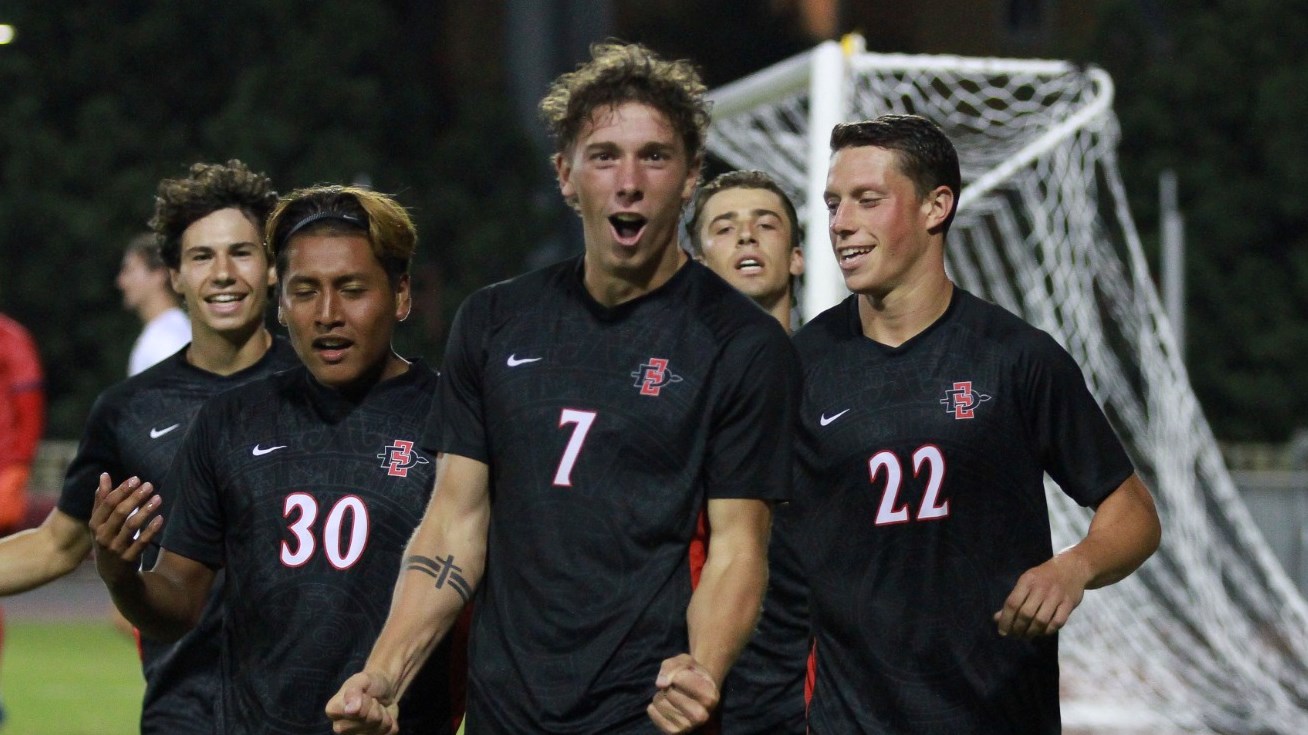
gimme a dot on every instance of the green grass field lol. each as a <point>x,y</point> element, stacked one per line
<point>69,678</point>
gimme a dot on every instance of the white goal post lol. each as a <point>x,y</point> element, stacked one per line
<point>1210,635</point>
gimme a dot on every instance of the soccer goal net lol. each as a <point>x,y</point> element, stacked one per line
<point>1210,635</point>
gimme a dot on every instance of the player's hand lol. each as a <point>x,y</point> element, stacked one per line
<point>365,705</point>
<point>686,696</point>
<point>123,522</point>
<point>1043,598</point>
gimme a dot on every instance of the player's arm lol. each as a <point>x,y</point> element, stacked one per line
<point>442,565</point>
<point>34,557</point>
<point>165,602</point>
<point>1123,533</point>
<point>722,613</point>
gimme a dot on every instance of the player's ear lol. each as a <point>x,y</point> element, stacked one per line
<point>937,206</point>
<point>281,314</point>
<point>563,170</point>
<point>692,179</point>
<point>796,261</point>
<point>403,298</point>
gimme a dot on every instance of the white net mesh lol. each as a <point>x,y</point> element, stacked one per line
<point>1210,635</point>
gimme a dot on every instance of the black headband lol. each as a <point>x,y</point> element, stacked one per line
<point>318,217</point>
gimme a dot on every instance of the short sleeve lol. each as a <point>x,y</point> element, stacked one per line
<point>754,397</point>
<point>430,440</point>
<point>194,528</point>
<point>97,452</point>
<point>1078,447</point>
<point>459,405</point>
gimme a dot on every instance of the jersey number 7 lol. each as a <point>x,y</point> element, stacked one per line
<point>582,421</point>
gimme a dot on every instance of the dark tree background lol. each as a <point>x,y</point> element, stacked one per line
<point>99,100</point>
<point>1218,91</point>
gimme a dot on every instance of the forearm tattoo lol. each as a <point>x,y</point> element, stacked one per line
<point>444,571</point>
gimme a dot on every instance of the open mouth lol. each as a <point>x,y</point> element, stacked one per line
<point>330,348</point>
<point>627,227</point>
<point>749,265</point>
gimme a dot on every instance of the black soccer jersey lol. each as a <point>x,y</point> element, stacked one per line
<point>135,429</point>
<point>606,431</point>
<point>921,491</point>
<point>764,692</point>
<point>306,499</point>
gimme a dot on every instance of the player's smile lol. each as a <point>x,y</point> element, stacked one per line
<point>223,273</point>
<point>852,257</point>
<point>878,222</point>
<point>225,303</point>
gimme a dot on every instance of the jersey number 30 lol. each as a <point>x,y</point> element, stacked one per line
<point>926,458</point>
<point>341,552</point>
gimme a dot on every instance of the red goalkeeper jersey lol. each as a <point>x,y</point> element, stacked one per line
<point>22,397</point>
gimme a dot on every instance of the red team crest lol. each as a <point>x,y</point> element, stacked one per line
<point>398,457</point>
<point>962,401</point>
<point>653,375</point>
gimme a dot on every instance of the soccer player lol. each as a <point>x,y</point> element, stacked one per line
<point>743,226</point>
<point>22,419</point>
<point>592,409</point>
<point>209,224</point>
<point>302,486</point>
<point>928,422</point>
<point>143,279</point>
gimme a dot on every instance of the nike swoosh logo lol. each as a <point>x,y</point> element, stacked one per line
<point>259,451</point>
<point>156,433</point>
<point>515,361</point>
<point>828,419</point>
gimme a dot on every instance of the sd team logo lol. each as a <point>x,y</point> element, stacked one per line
<point>653,375</point>
<point>397,458</point>
<point>962,401</point>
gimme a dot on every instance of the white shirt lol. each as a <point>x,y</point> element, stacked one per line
<point>162,336</point>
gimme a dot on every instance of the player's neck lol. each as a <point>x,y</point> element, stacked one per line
<point>894,318</point>
<point>225,354</point>
<point>780,307</point>
<point>611,287</point>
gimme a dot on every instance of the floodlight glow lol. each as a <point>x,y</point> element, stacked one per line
<point>6,33</point>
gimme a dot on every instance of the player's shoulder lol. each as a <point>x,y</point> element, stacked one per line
<point>725,311</point>
<point>422,374</point>
<point>524,293</point>
<point>168,371</point>
<point>279,357</point>
<point>829,328</point>
<point>1008,332</point>
<point>11,330</point>
<point>254,394</point>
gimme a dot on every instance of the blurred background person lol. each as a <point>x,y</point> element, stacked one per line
<point>143,279</point>
<point>22,418</point>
